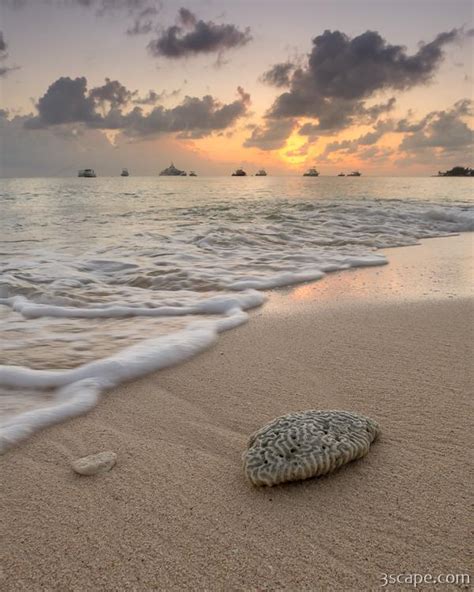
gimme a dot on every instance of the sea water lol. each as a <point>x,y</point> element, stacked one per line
<point>103,280</point>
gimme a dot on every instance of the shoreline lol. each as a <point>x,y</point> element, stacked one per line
<point>392,342</point>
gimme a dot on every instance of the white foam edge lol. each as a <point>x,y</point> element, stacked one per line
<point>220,304</point>
<point>79,389</point>
<point>289,278</point>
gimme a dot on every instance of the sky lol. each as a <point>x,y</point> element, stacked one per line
<point>380,86</point>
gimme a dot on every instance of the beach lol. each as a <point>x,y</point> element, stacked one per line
<point>394,343</point>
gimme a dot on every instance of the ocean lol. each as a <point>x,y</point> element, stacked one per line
<point>104,280</point>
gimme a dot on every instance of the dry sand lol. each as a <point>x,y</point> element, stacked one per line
<point>175,513</point>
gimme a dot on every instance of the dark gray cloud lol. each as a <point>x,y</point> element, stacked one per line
<point>186,17</point>
<point>141,10</point>
<point>192,37</point>
<point>445,131</point>
<point>343,72</point>
<point>3,47</point>
<point>367,139</point>
<point>339,114</point>
<point>143,22</point>
<point>272,135</point>
<point>13,4</point>
<point>355,68</point>
<point>4,69</point>
<point>342,75</point>
<point>152,98</point>
<point>68,101</point>
<point>112,92</point>
<point>102,6</point>
<point>65,101</point>
<point>279,75</point>
<point>106,6</point>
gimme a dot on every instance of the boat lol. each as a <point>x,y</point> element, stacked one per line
<point>354,174</point>
<point>239,173</point>
<point>261,173</point>
<point>172,171</point>
<point>192,174</point>
<point>341,175</point>
<point>124,173</point>
<point>312,172</point>
<point>86,173</point>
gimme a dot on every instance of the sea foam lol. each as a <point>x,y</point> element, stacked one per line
<point>148,287</point>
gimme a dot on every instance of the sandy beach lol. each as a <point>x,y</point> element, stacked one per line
<point>393,342</point>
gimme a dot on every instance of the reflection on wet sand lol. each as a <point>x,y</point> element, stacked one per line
<point>401,278</point>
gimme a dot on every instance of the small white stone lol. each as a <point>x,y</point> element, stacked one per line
<point>95,463</point>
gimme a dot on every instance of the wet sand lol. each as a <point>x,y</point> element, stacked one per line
<point>393,342</point>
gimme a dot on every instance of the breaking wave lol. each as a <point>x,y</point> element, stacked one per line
<point>89,300</point>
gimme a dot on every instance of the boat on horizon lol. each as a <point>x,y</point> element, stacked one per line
<point>239,173</point>
<point>172,171</point>
<point>192,174</point>
<point>312,172</point>
<point>341,175</point>
<point>90,173</point>
<point>261,173</point>
<point>354,174</point>
<point>124,173</point>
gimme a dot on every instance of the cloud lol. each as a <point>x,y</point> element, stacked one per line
<point>192,37</point>
<point>13,4</point>
<point>367,139</point>
<point>65,101</point>
<point>340,114</point>
<point>344,68</point>
<point>142,11</point>
<point>279,75</point>
<point>152,98</point>
<point>68,101</point>
<point>112,92</point>
<point>54,151</point>
<point>103,7</point>
<point>143,23</point>
<point>3,47</point>
<point>337,85</point>
<point>440,131</point>
<point>4,70</point>
<point>193,118</point>
<point>342,73</point>
<point>272,135</point>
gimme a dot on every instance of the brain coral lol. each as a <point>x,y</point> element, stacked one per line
<point>306,444</point>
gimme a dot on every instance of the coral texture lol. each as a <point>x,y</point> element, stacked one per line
<point>306,444</point>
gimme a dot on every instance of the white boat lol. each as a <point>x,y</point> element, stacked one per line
<point>86,173</point>
<point>239,173</point>
<point>312,172</point>
<point>124,173</point>
<point>261,173</point>
<point>192,174</point>
<point>354,174</point>
<point>172,171</point>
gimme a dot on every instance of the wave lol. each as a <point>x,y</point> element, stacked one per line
<point>204,264</point>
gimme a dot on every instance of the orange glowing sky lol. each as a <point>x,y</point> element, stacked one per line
<point>49,39</point>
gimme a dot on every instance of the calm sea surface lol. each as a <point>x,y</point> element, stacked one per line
<point>105,279</point>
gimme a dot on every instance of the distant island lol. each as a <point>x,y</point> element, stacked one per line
<point>457,171</point>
